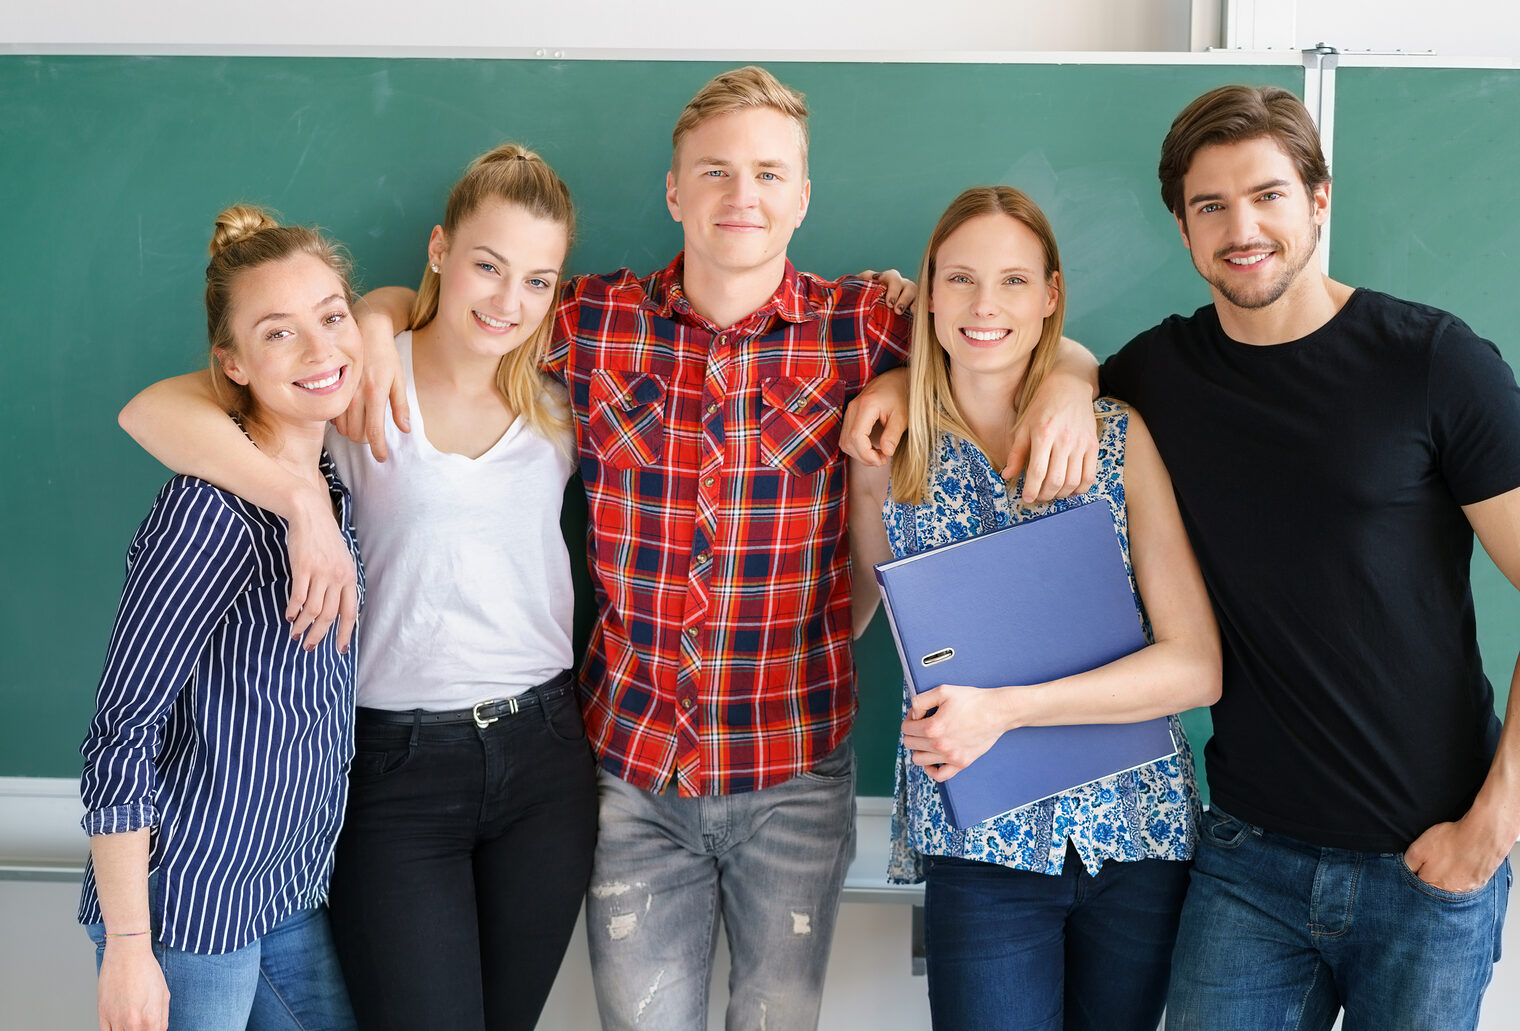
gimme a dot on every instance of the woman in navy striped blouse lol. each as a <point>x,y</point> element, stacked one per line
<point>215,768</point>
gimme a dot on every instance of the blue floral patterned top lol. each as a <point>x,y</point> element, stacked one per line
<point>1147,813</point>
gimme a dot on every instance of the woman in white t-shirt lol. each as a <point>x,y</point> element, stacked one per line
<point>471,821</point>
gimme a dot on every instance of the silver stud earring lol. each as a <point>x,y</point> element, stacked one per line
<point>433,265</point>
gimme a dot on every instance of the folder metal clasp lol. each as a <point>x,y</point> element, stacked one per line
<point>937,656</point>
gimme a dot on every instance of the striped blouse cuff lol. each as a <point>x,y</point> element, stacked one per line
<point>119,819</point>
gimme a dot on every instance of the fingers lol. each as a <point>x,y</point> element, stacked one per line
<point>323,612</point>
<point>400,412</point>
<point>1053,470</point>
<point>1035,471</point>
<point>300,586</point>
<point>892,429</point>
<point>348,615</point>
<point>924,701</point>
<point>1018,457</point>
<point>857,435</point>
<point>374,428</point>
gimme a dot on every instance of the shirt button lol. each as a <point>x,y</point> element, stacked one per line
<point>702,557</point>
<point>707,481</point>
<point>691,631</point>
<point>712,408</point>
<point>686,703</point>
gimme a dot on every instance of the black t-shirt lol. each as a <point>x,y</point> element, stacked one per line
<point>1321,481</point>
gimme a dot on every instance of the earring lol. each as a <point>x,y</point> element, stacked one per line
<point>433,265</point>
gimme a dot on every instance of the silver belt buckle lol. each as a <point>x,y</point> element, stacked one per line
<point>511,704</point>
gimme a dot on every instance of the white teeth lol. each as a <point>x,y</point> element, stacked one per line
<point>320,384</point>
<point>493,323</point>
<point>1247,261</point>
<point>986,335</point>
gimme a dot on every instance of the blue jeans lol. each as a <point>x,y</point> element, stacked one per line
<point>462,864</point>
<point>1020,951</point>
<point>1279,934</point>
<point>288,980</point>
<point>770,862</point>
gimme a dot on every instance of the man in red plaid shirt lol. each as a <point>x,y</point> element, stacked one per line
<point>718,687</point>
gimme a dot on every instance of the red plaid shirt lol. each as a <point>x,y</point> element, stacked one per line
<point>721,651</point>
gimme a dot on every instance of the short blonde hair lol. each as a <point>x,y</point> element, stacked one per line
<point>738,90</point>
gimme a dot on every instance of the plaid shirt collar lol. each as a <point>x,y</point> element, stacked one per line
<point>665,297</point>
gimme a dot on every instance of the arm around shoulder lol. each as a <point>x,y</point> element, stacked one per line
<point>180,422</point>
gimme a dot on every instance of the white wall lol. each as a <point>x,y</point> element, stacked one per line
<point>941,25</point>
<point>1454,28</point>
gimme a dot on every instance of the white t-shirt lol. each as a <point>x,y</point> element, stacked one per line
<point>468,579</point>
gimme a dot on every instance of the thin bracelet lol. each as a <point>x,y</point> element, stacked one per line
<point>125,934</point>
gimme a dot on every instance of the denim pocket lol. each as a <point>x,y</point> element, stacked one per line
<point>836,766</point>
<point>380,751</point>
<point>1441,894</point>
<point>562,715</point>
<point>1221,830</point>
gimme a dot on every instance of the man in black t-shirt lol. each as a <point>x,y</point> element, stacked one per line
<point>1333,450</point>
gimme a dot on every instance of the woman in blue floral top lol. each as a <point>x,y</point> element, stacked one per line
<point>1061,914</point>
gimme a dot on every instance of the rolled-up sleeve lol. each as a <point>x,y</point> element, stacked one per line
<point>187,564</point>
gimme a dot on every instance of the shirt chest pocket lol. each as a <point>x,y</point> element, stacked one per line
<point>627,416</point>
<point>799,422</point>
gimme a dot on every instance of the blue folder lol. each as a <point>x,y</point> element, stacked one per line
<point>1029,603</point>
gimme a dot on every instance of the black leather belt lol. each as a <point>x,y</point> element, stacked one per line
<point>482,714</point>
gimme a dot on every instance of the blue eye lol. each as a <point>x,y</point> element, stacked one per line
<point>1208,209</point>
<point>770,176</point>
<point>486,266</point>
<point>539,284</point>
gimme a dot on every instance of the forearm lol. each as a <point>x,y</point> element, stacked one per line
<point>1076,362</point>
<point>180,422</point>
<point>121,880</point>
<point>389,302</point>
<point>1161,679</point>
<point>1497,805</point>
<point>868,541</point>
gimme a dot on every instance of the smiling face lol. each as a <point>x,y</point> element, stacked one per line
<point>295,344</point>
<point>990,296</point>
<point>739,188</point>
<point>1250,223</point>
<point>498,273</point>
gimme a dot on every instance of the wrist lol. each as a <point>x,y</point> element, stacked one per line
<point>129,941</point>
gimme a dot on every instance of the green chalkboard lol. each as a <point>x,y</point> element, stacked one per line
<point>112,168</point>
<point>1425,205</point>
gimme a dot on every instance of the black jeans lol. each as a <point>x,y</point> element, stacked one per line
<point>463,860</point>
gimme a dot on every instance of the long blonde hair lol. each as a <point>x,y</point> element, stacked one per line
<point>932,410</point>
<point>245,237</point>
<point>511,173</point>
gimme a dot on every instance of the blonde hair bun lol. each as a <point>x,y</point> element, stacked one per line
<point>506,152</point>
<point>239,222</point>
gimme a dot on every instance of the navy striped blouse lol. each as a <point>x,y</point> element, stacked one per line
<point>216,729</point>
